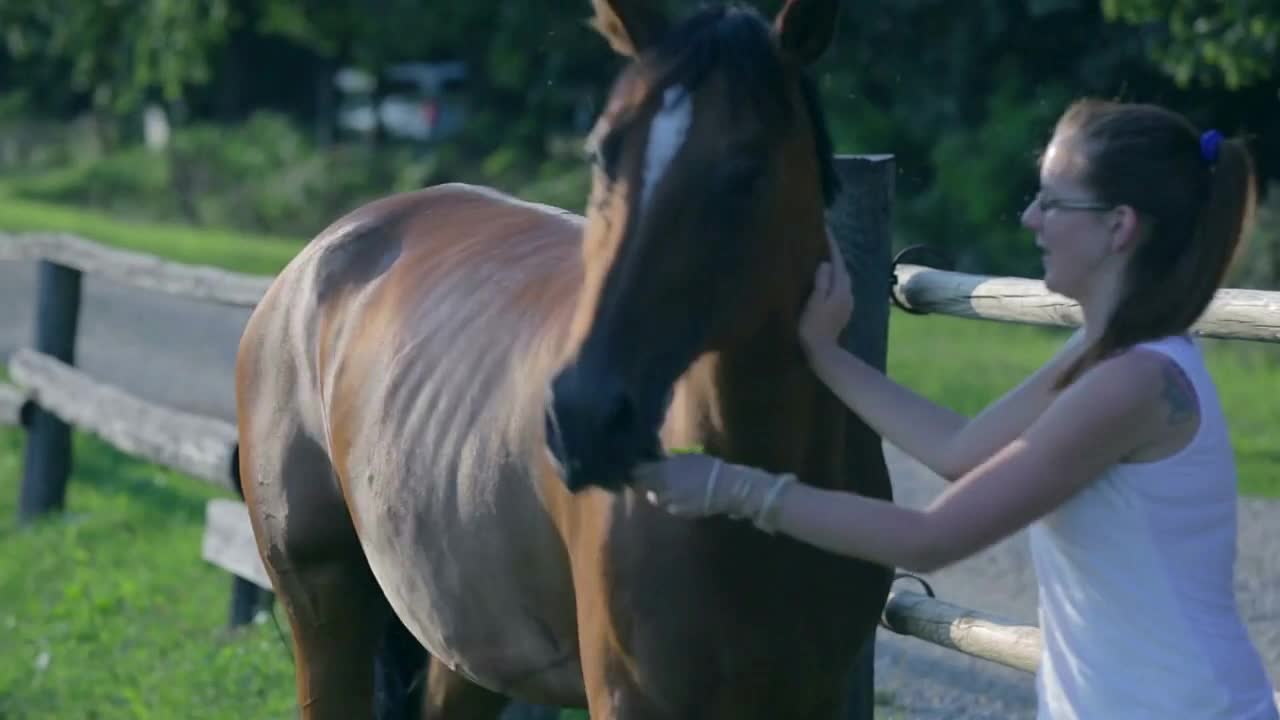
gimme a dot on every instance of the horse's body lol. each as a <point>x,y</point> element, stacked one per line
<point>407,393</point>
<point>392,387</point>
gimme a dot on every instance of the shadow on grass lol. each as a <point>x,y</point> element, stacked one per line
<point>153,490</point>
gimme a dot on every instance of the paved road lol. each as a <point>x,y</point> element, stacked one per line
<point>161,347</point>
<point>181,353</point>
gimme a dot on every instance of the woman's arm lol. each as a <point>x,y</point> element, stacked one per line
<point>1095,423</point>
<point>946,442</point>
<point>1098,421</point>
<point>914,424</point>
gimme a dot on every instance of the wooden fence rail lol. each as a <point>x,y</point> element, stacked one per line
<point>136,269</point>
<point>201,447</point>
<point>1232,314</point>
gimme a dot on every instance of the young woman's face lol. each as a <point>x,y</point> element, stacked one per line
<point>1070,224</point>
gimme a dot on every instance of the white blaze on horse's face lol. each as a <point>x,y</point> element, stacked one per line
<point>667,132</point>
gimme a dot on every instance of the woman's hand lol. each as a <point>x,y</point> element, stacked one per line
<point>830,304</point>
<point>697,485</point>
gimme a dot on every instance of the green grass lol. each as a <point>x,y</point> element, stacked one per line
<point>965,364</point>
<point>240,252</point>
<point>109,612</point>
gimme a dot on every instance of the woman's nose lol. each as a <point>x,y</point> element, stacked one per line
<point>1031,217</point>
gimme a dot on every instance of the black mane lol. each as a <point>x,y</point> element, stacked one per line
<point>735,39</point>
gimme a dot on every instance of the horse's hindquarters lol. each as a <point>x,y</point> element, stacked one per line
<point>434,373</point>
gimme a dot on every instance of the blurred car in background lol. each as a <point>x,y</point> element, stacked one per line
<point>417,101</point>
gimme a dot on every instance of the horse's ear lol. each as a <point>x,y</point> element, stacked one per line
<point>804,28</point>
<point>630,26</point>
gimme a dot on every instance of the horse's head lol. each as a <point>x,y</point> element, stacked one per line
<point>705,221</point>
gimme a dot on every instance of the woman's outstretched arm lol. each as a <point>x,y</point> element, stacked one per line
<point>1117,407</point>
<point>945,441</point>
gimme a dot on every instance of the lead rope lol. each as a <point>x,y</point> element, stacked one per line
<point>928,590</point>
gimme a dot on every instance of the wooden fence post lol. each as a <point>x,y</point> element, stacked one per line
<point>247,599</point>
<point>860,221</point>
<point>47,459</point>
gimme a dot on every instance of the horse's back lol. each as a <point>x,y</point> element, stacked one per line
<point>419,332</point>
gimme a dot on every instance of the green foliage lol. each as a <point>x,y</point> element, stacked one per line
<point>985,176</point>
<point>117,52</point>
<point>1207,42</point>
<point>265,176</point>
<point>960,94</point>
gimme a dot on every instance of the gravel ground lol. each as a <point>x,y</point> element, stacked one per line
<point>181,353</point>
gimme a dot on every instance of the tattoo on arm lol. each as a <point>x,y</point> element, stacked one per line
<point>1178,394</point>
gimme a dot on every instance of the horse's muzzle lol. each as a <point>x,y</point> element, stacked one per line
<point>594,430</point>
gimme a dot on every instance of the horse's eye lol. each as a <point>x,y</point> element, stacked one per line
<point>738,177</point>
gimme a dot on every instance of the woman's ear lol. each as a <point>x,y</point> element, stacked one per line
<point>1127,229</point>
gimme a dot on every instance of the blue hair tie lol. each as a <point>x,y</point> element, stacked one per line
<point>1210,142</point>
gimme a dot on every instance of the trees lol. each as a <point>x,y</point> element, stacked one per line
<point>1205,42</point>
<point>114,53</point>
<point>961,93</point>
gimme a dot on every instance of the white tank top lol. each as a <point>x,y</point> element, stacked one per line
<point>1137,602</point>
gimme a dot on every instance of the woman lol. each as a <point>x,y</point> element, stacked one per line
<point>1115,453</point>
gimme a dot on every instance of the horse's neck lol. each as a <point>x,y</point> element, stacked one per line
<point>762,407</point>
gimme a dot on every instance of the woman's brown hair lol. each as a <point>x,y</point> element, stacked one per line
<point>1193,191</point>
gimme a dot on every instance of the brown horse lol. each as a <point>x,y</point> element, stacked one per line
<point>441,396</point>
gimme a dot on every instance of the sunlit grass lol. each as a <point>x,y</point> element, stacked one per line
<point>965,364</point>
<point>229,250</point>
<point>107,610</point>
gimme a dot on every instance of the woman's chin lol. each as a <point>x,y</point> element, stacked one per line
<point>1054,285</point>
<point>1051,284</point>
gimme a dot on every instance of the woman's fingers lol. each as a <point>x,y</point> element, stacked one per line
<point>841,279</point>
<point>668,505</point>
<point>822,281</point>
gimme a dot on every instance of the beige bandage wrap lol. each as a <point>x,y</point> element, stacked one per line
<point>711,486</point>
<point>767,518</point>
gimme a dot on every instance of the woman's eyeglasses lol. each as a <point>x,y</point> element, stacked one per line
<point>1045,204</point>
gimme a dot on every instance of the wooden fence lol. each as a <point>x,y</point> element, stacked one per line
<point>49,395</point>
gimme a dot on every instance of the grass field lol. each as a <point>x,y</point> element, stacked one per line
<point>263,254</point>
<point>108,612</point>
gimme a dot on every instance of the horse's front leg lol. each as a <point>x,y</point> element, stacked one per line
<point>638,642</point>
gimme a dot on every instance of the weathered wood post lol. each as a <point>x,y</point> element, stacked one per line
<point>47,459</point>
<point>860,220</point>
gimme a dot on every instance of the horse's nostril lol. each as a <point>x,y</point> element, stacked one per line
<point>619,414</point>
<point>555,442</point>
